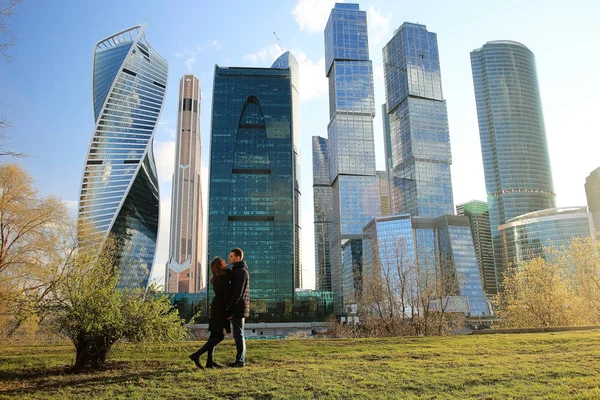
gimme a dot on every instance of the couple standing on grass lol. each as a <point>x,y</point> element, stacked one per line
<point>230,306</point>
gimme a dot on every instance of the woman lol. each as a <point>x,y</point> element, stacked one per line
<point>218,321</point>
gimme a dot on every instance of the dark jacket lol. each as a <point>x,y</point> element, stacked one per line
<point>218,315</point>
<point>239,298</point>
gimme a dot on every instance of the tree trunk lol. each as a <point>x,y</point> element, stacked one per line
<point>91,351</point>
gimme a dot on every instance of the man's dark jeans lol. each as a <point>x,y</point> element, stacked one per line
<point>238,335</point>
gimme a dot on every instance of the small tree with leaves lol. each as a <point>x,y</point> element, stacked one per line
<point>94,313</point>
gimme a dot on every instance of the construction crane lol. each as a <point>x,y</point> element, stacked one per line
<point>283,49</point>
<point>278,41</point>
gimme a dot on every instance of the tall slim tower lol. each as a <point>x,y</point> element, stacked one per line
<point>253,196</point>
<point>322,213</point>
<point>418,124</point>
<point>119,187</point>
<point>350,144</point>
<point>516,162</point>
<point>184,268</point>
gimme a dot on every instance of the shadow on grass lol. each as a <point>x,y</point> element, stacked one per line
<point>49,379</point>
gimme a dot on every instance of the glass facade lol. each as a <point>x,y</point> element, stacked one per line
<point>312,305</point>
<point>431,248</point>
<point>516,162</point>
<point>351,149</point>
<point>592,192</point>
<point>479,219</point>
<point>287,60</point>
<point>384,192</point>
<point>119,188</point>
<point>419,140</point>
<point>322,213</point>
<point>184,268</point>
<point>352,258</point>
<point>458,260</point>
<point>525,237</point>
<point>252,195</point>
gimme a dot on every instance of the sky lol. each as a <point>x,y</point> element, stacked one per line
<point>46,91</point>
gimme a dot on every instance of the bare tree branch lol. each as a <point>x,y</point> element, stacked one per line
<point>7,37</point>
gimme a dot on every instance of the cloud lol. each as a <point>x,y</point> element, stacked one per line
<point>189,63</point>
<point>208,44</point>
<point>72,206</point>
<point>190,55</point>
<point>378,71</point>
<point>313,83</point>
<point>312,15</point>
<point>164,153</point>
<point>379,25</point>
<point>265,56</point>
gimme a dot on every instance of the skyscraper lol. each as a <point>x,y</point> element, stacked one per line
<point>119,188</point>
<point>322,213</point>
<point>252,195</point>
<point>592,192</point>
<point>184,267</point>
<point>479,219</point>
<point>418,124</point>
<point>350,144</point>
<point>516,162</point>
<point>287,60</point>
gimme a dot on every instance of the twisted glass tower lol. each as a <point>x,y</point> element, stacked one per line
<point>119,187</point>
<point>516,162</point>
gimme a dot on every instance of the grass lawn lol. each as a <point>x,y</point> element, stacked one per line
<point>526,366</point>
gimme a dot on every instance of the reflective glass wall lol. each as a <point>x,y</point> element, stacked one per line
<point>351,149</point>
<point>479,219</point>
<point>322,196</point>
<point>428,251</point>
<point>119,188</point>
<point>527,236</point>
<point>516,162</point>
<point>419,142</point>
<point>252,178</point>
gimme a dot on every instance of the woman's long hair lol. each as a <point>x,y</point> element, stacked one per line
<point>215,268</point>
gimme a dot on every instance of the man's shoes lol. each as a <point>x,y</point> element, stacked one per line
<point>213,365</point>
<point>236,364</point>
<point>196,361</point>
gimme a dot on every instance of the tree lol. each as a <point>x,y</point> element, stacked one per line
<point>540,293</point>
<point>582,261</point>
<point>94,313</point>
<point>7,40</point>
<point>403,294</point>
<point>36,239</point>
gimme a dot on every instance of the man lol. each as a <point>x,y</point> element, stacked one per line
<point>239,303</point>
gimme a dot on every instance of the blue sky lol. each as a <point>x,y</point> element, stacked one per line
<point>47,89</point>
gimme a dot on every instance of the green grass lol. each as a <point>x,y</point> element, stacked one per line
<point>526,366</point>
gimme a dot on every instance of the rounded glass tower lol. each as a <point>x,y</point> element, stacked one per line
<point>516,162</point>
